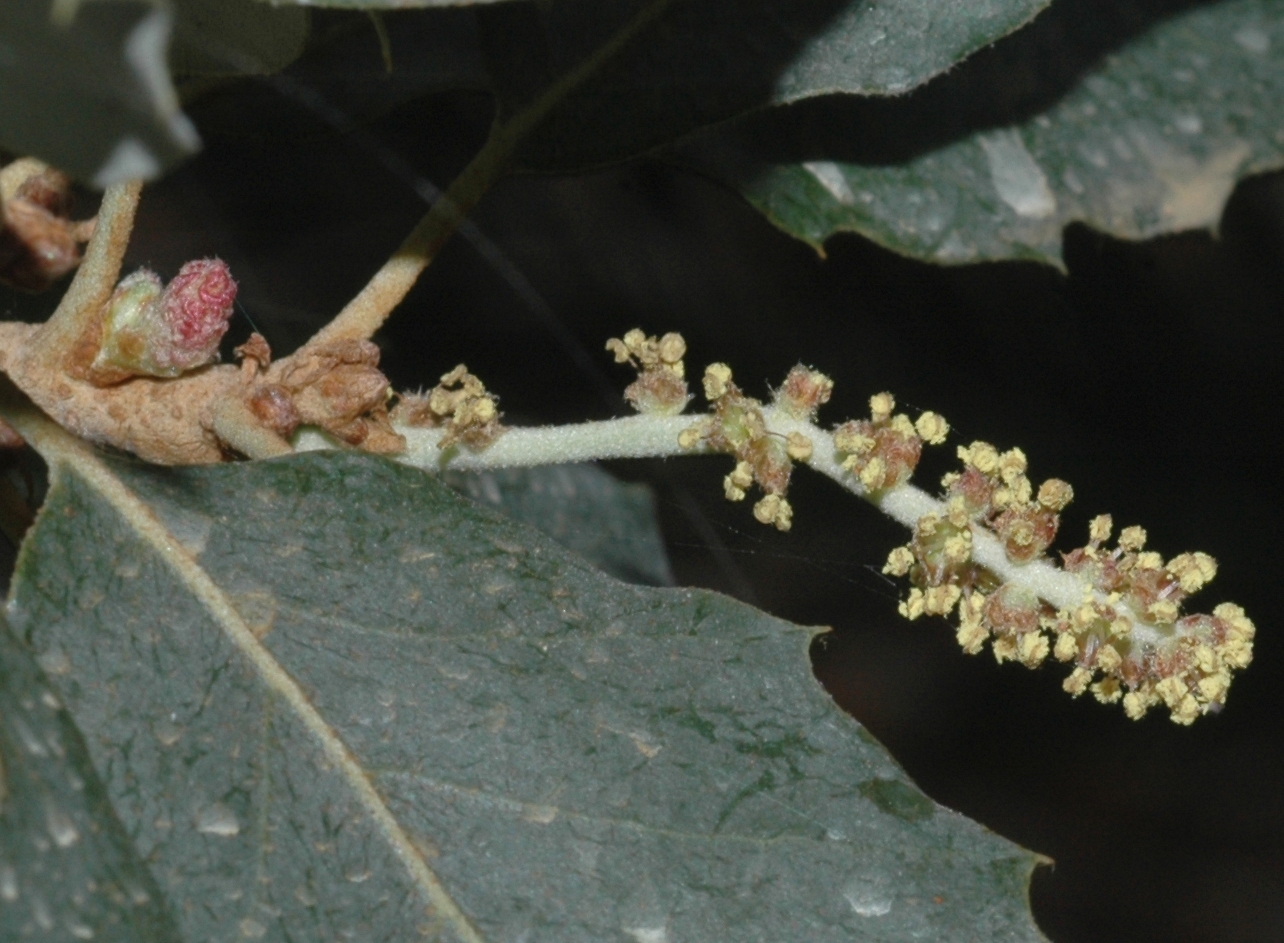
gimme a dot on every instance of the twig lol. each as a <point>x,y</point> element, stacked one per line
<point>366,312</point>
<point>657,437</point>
<point>96,278</point>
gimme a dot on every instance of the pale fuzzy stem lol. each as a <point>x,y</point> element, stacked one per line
<point>631,437</point>
<point>96,278</point>
<point>908,503</point>
<point>365,313</point>
<point>657,437</point>
<point>237,426</point>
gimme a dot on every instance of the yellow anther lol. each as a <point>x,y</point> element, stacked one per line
<point>1032,649</point>
<point>1132,539</point>
<point>1206,659</point>
<point>912,607</point>
<point>1011,465</point>
<point>980,455</point>
<point>1085,616</point>
<point>956,512</point>
<point>1135,705</point>
<point>798,446</point>
<point>766,509</point>
<point>1120,627</point>
<point>1164,611</point>
<point>1237,652</point>
<point>1107,691</point>
<point>716,378</point>
<point>899,561</point>
<point>1055,494</point>
<point>1004,648</point>
<point>773,509</point>
<point>881,406</point>
<point>958,549</point>
<point>1173,690</point>
<point>1022,533</point>
<point>1076,682</point>
<point>971,637</point>
<point>852,442</point>
<point>672,349</point>
<point>1066,648</point>
<point>1150,560</point>
<point>1193,570</point>
<point>871,476</point>
<point>643,351</point>
<point>926,525</point>
<point>1099,528</point>
<point>932,428</point>
<point>742,475</point>
<point>1108,659</point>
<point>901,423</point>
<point>619,349</point>
<point>1186,711</point>
<point>691,436</point>
<point>784,516</point>
<point>1213,688</point>
<point>1240,624</point>
<point>940,600</point>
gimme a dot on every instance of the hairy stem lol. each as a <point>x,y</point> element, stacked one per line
<point>657,437</point>
<point>97,276</point>
<point>366,312</point>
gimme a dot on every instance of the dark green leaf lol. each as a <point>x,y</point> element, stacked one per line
<point>330,697</point>
<point>236,37</point>
<point>1150,140</point>
<point>609,523</point>
<point>705,61</point>
<point>92,97</point>
<point>67,868</point>
<point>378,5</point>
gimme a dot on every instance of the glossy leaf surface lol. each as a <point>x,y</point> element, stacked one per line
<point>328,696</point>
<point>699,63</point>
<point>1150,139</point>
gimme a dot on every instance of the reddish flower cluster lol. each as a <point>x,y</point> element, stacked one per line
<point>1126,636</point>
<point>459,403</point>
<point>738,427</point>
<point>884,450</point>
<point>803,393</point>
<point>1131,631</point>
<point>661,387</point>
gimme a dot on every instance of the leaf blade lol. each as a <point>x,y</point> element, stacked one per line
<point>1129,149</point>
<point>704,63</point>
<point>92,97</point>
<point>66,863</point>
<point>609,523</point>
<point>502,714</point>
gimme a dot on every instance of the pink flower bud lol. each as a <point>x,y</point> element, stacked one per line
<point>164,332</point>
<point>196,307</point>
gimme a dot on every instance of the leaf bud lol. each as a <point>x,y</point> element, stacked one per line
<point>148,330</point>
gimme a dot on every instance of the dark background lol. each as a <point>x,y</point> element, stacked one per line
<point>1145,376</point>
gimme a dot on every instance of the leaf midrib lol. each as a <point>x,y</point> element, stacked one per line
<point>66,454</point>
